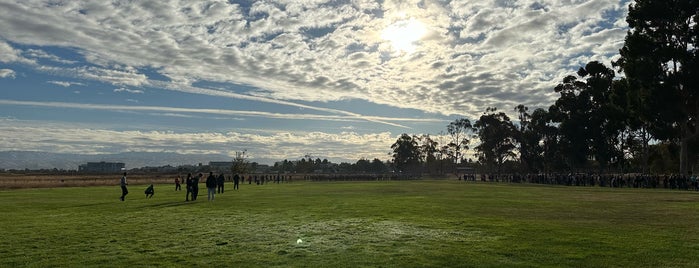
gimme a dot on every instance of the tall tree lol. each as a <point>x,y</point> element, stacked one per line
<point>545,153</point>
<point>428,151</point>
<point>660,55</point>
<point>496,133</point>
<point>406,153</point>
<point>521,136</point>
<point>529,137</point>
<point>460,131</point>
<point>589,123</point>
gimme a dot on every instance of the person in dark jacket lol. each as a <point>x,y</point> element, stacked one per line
<point>211,186</point>
<point>236,181</point>
<point>123,184</point>
<point>195,186</point>
<point>188,184</point>
<point>219,183</point>
<point>150,191</point>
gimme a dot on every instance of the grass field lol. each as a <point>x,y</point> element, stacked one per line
<point>357,224</point>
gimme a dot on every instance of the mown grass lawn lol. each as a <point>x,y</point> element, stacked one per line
<point>352,224</point>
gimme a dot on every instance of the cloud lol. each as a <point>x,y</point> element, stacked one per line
<point>7,73</point>
<point>134,91</point>
<point>65,83</point>
<point>291,116</point>
<point>40,54</point>
<point>8,54</point>
<point>69,138</point>
<point>476,54</point>
<point>122,76</point>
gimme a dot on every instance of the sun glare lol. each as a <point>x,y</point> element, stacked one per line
<point>404,34</point>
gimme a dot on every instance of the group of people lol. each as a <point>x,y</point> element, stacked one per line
<point>214,184</point>
<point>679,182</point>
<point>150,190</point>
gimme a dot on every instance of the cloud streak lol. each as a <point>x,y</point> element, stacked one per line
<point>161,109</point>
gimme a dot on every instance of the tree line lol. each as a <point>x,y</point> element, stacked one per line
<point>644,120</point>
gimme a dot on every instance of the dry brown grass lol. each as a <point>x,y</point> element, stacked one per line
<point>18,181</point>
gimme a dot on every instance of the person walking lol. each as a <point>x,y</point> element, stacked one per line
<point>220,183</point>
<point>195,186</point>
<point>211,186</point>
<point>123,184</point>
<point>236,181</point>
<point>188,184</point>
<point>178,186</point>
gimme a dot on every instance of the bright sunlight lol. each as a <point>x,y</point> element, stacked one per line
<point>404,34</point>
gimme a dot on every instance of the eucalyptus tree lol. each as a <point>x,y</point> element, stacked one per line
<point>588,122</point>
<point>545,154</point>
<point>529,136</point>
<point>523,137</point>
<point>460,132</point>
<point>428,147</point>
<point>429,150</point>
<point>406,153</point>
<point>496,133</point>
<point>660,56</point>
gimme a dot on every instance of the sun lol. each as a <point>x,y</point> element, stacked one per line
<point>404,35</point>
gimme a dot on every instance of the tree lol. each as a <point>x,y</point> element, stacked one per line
<point>524,138</point>
<point>660,56</point>
<point>406,153</point>
<point>377,166</point>
<point>496,133</point>
<point>240,163</point>
<point>459,131</point>
<point>545,154</point>
<point>428,148</point>
<point>607,117</point>
<point>362,165</point>
<point>532,128</point>
<point>589,122</point>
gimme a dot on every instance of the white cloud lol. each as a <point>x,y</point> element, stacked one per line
<point>291,116</point>
<point>120,76</point>
<point>476,53</point>
<point>67,138</point>
<point>134,91</point>
<point>8,54</point>
<point>7,73</point>
<point>65,83</point>
<point>37,53</point>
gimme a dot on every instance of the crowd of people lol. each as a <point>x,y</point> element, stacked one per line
<point>214,184</point>
<point>679,182</point>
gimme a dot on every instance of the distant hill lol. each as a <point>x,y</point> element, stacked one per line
<point>47,160</point>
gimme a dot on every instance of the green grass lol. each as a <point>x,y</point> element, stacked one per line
<point>358,224</point>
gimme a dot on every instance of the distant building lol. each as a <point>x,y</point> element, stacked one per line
<point>102,167</point>
<point>224,166</point>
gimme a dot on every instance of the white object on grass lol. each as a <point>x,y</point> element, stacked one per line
<point>299,241</point>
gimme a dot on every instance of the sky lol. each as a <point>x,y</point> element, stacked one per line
<point>337,80</point>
